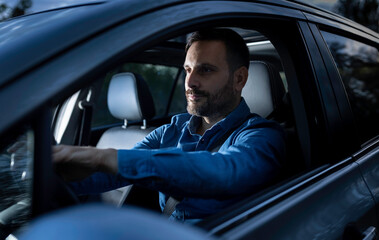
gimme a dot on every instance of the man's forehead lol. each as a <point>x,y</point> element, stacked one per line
<point>206,44</point>
<point>206,52</point>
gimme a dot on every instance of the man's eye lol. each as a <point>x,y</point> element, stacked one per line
<point>205,70</point>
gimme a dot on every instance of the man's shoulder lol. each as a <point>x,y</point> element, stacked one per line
<point>254,118</point>
<point>256,121</point>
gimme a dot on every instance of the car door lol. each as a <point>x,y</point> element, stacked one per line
<point>356,60</point>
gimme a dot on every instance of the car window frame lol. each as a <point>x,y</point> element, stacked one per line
<point>331,94</point>
<point>60,85</point>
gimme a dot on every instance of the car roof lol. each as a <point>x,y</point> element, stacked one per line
<point>56,30</point>
<point>53,32</point>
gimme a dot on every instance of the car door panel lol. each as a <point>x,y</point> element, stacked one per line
<point>320,211</point>
<point>369,166</point>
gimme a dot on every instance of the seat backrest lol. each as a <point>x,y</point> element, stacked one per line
<point>129,99</point>
<point>264,90</point>
<point>265,94</point>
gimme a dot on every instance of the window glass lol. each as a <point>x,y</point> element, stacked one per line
<point>358,65</point>
<point>160,80</point>
<point>101,115</point>
<point>16,167</point>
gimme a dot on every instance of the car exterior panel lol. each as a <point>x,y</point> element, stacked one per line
<point>320,211</point>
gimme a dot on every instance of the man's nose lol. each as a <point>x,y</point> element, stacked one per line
<point>192,81</point>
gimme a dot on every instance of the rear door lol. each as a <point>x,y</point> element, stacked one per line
<point>355,56</point>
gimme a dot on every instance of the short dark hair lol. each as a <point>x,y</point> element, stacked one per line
<point>237,53</point>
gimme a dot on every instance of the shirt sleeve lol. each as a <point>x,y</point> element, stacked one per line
<point>152,140</point>
<point>97,183</point>
<point>245,162</point>
<point>102,182</point>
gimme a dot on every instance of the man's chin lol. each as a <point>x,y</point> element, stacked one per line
<point>194,109</point>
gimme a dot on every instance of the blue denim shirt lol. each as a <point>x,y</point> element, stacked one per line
<point>180,163</point>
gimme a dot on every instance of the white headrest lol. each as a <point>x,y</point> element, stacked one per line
<point>129,98</point>
<point>257,91</point>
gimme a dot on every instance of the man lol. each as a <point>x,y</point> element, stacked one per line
<point>211,157</point>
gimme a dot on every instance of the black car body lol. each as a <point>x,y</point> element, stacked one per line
<point>330,65</point>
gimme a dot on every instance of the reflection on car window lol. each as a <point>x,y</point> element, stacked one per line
<point>16,163</point>
<point>358,65</point>
<point>159,78</point>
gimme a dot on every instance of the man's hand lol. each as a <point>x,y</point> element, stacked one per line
<point>75,163</point>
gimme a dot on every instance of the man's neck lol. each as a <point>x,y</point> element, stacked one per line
<point>207,123</point>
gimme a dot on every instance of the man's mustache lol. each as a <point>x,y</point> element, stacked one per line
<point>197,92</point>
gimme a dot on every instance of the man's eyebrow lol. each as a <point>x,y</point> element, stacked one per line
<point>202,65</point>
<point>207,65</point>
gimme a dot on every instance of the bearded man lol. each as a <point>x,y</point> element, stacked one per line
<point>210,158</point>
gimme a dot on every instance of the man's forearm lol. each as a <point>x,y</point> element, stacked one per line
<point>75,163</point>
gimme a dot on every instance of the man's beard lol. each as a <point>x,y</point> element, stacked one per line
<point>212,105</point>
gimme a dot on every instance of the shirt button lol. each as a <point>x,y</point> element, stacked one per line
<point>202,140</point>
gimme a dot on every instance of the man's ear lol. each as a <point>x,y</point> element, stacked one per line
<point>240,78</point>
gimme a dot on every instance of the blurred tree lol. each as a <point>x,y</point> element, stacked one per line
<point>365,12</point>
<point>3,9</point>
<point>19,9</point>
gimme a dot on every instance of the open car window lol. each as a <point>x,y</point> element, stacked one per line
<point>161,67</point>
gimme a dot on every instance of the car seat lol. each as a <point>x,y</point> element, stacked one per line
<point>264,91</point>
<point>265,95</point>
<point>129,99</point>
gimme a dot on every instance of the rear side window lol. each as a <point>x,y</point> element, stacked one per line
<point>159,78</point>
<point>358,65</point>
